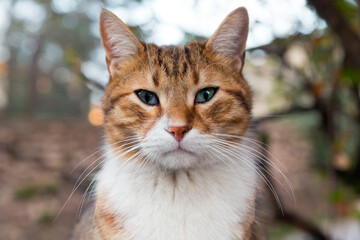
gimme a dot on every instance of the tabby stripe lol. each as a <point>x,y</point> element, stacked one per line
<point>159,56</point>
<point>239,95</point>
<point>166,68</point>
<point>175,57</point>
<point>184,68</point>
<point>155,77</point>
<point>114,100</point>
<point>187,54</point>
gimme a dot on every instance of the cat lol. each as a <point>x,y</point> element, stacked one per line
<point>174,120</point>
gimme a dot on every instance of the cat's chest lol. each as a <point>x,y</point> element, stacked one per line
<point>206,204</point>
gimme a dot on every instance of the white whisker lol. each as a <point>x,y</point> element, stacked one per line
<point>78,185</point>
<point>260,174</point>
<point>243,151</point>
<point>248,149</point>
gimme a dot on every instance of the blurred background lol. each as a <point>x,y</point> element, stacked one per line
<point>303,62</point>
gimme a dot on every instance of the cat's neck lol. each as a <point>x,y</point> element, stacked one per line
<point>220,193</point>
<point>117,171</point>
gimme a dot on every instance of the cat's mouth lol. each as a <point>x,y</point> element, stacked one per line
<point>178,150</point>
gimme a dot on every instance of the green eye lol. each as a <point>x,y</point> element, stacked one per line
<point>205,95</point>
<point>147,97</point>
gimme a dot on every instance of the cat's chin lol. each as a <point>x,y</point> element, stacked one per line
<point>179,159</point>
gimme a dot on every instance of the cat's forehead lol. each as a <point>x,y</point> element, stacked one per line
<point>176,64</point>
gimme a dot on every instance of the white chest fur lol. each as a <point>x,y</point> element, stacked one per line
<point>197,204</point>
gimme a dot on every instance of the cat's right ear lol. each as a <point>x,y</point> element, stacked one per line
<point>230,37</point>
<point>119,42</point>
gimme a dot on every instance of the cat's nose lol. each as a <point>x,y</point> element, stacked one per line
<point>178,132</point>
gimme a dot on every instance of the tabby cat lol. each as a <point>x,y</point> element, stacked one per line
<point>175,167</point>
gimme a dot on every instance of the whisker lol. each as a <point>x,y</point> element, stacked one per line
<point>260,174</point>
<point>78,185</point>
<point>120,173</point>
<point>256,156</point>
<point>129,143</point>
<point>83,198</point>
<point>250,150</point>
<point>101,149</point>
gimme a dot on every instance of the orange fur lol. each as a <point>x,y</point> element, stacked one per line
<point>176,84</point>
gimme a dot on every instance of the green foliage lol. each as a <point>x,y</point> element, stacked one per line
<point>351,75</point>
<point>321,150</point>
<point>50,189</point>
<point>264,138</point>
<point>46,218</point>
<point>337,196</point>
<point>27,192</point>
<point>139,32</point>
<point>349,10</point>
<point>356,214</point>
<point>32,191</point>
<point>189,37</point>
<point>63,42</point>
<point>322,49</point>
<point>280,231</point>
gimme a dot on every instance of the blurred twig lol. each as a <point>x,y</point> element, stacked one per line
<point>280,45</point>
<point>350,41</point>
<point>92,83</point>
<point>284,215</point>
<point>349,38</point>
<point>285,113</point>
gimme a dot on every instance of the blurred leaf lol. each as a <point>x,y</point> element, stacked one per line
<point>351,75</point>
<point>356,214</point>
<point>50,189</point>
<point>321,51</point>
<point>27,192</point>
<point>348,10</point>
<point>189,37</point>
<point>46,218</point>
<point>70,56</point>
<point>31,191</point>
<point>280,231</point>
<point>337,196</point>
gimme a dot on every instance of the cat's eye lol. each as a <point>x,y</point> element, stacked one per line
<point>205,95</point>
<point>147,97</point>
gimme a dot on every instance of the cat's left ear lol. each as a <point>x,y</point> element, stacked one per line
<point>230,37</point>
<point>119,42</point>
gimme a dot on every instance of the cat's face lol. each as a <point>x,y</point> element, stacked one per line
<point>166,105</point>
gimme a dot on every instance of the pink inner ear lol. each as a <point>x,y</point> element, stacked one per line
<point>230,37</point>
<point>118,41</point>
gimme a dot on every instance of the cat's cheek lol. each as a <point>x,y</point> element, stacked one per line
<point>201,123</point>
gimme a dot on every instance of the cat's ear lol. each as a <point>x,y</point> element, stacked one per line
<point>230,37</point>
<point>119,42</point>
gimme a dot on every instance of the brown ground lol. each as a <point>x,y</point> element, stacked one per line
<point>35,181</point>
<point>37,156</point>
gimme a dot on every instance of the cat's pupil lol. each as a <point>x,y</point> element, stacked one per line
<point>206,94</point>
<point>147,97</point>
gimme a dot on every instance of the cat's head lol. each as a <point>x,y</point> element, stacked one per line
<point>173,106</point>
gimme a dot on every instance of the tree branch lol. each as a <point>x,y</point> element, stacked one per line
<point>349,38</point>
<point>287,112</point>
<point>279,45</point>
<point>93,83</point>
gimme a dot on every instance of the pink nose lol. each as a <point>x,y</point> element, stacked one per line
<point>178,132</point>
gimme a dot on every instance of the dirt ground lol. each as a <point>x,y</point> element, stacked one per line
<point>37,160</point>
<point>37,157</point>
